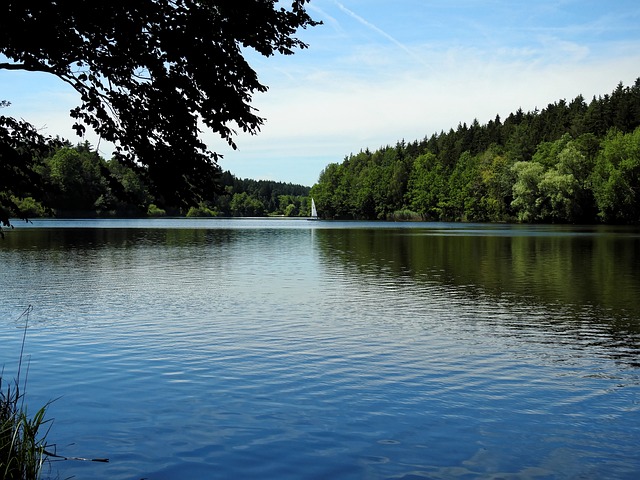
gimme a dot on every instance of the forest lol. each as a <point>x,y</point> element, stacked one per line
<point>80,183</point>
<point>570,162</point>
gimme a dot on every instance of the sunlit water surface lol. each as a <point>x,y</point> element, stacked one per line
<point>290,349</point>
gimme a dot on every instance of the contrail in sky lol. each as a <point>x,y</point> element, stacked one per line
<point>370,25</point>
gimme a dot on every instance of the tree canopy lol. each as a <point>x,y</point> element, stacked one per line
<point>77,182</point>
<point>151,75</point>
<point>571,162</point>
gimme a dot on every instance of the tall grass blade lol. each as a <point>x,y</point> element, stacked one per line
<point>22,439</point>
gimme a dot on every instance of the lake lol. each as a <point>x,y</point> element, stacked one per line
<point>295,349</point>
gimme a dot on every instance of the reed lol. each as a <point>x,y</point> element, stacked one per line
<point>22,437</point>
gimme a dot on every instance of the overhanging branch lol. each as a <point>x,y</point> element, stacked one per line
<point>24,66</point>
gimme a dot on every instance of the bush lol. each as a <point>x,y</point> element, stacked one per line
<point>201,211</point>
<point>154,211</point>
<point>28,207</point>
<point>405,216</point>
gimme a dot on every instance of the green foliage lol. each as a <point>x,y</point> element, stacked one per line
<point>289,210</point>
<point>616,178</point>
<point>405,216</point>
<point>427,186</point>
<point>526,194</point>
<point>325,192</point>
<point>155,211</point>
<point>463,183</point>
<point>22,437</point>
<point>293,206</point>
<point>150,75</point>
<point>495,187</point>
<point>554,186</point>
<point>76,179</point>
<point>542,166</point>
<point>243,205</point>
<point>558,164</point>
<point>21,151</point>
<point>557,194</point>
<point>29,207</point>
<point>80,183</point>
<point>127,192</point>
<point>22,443</point>
<point>201,211</point>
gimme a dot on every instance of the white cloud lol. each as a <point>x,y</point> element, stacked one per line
<point>330,115</point>
<point>368,79</point>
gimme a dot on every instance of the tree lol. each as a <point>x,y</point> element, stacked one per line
<point>557,196</point>
<point>151,75</point>
<point>21,147</point>
<point>464,188</point>
<point>76,180</point>
<point>616,178</point>
<point>132,196</point>
<point>325,191</point>
<point>242,205</point>
<point>426,186</point>
<point>496,185</point>
<point>526,192</point>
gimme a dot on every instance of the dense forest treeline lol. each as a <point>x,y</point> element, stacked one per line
<point>78,182</point>
<point>571,162</point>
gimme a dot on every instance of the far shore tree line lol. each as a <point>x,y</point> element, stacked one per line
<point>80,183</point>
<point>571,162</point>
<point>152,79</point>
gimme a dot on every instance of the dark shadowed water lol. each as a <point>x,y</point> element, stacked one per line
<point>290,349</point>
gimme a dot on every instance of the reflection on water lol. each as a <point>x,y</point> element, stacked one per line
<point>293,349</point>
<point>572,271</point>
<point>590,277</point>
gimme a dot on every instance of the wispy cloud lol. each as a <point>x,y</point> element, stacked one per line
<point>377,72</point>
<point>326,18</point>
<point>381,32</point>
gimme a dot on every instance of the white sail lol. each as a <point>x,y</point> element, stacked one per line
<point>314,212</point>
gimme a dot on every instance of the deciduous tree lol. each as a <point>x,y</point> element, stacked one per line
<point>151,76</point>
<point>616,178</point>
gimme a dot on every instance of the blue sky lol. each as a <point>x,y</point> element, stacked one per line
<point>378,72</point>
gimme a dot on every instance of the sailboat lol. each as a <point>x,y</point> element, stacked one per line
<point>314,212</point>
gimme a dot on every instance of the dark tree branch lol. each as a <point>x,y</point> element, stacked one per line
<point>148,72</point>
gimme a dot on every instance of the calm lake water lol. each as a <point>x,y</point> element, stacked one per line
<point>290,349</point>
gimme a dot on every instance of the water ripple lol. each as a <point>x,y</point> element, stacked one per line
<point>223,355</point>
